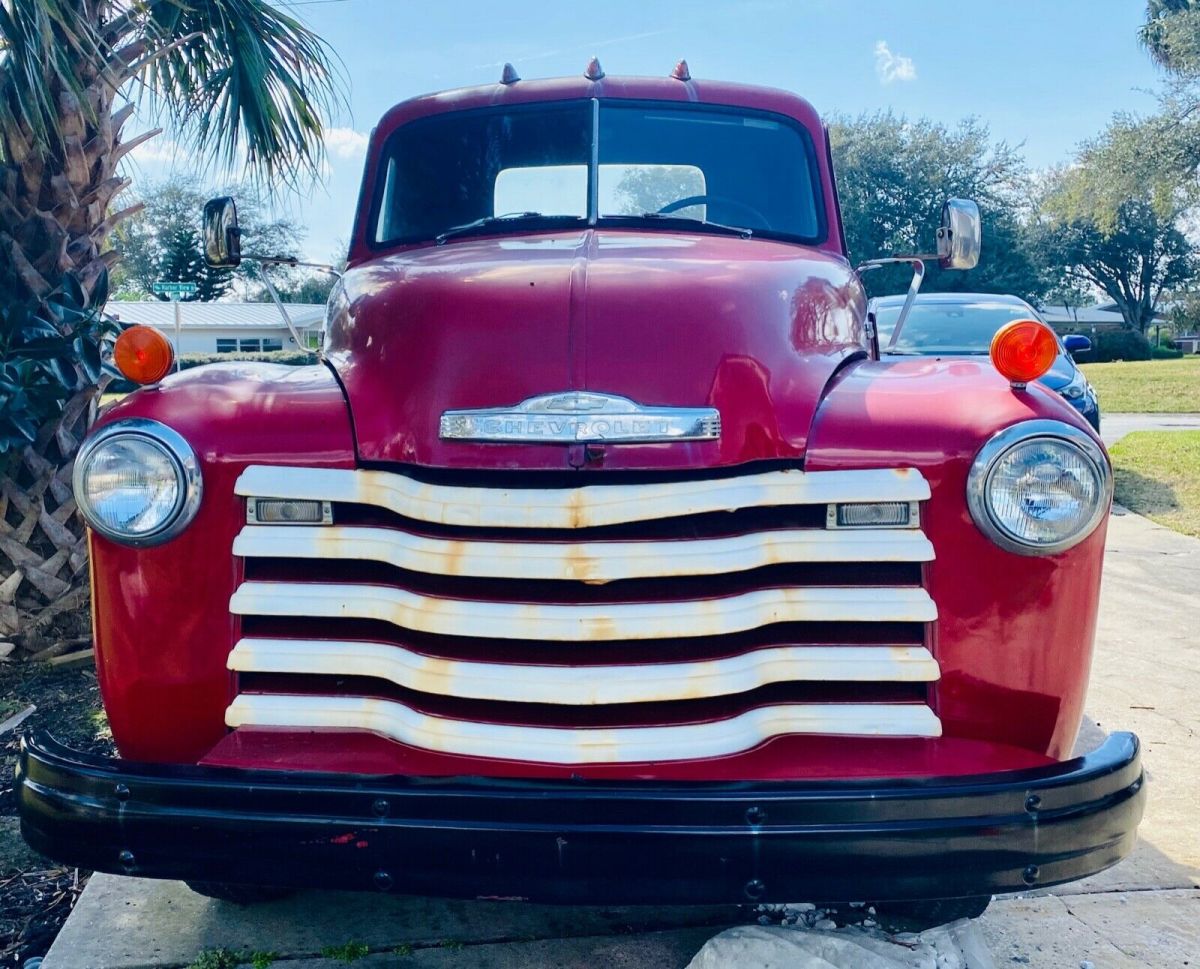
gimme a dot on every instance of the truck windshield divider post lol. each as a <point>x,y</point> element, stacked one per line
<point>593,199</point>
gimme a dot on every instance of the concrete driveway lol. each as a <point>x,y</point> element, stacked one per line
<point>1113,427</point>
<point>1144,913</point>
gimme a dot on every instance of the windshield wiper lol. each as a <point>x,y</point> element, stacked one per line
<point>683,220</point>
<point>492,220</point>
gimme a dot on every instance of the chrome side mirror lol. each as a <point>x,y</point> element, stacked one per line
<point>958,237</point>
<point>222,237</point>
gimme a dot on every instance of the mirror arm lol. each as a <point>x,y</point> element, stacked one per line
<point>292,261</point>
<point>918,267</point>
<point>282,311</point>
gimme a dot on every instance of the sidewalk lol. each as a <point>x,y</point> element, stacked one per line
<point>1113,427</point>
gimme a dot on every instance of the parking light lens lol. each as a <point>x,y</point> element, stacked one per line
<point>1023,350</point>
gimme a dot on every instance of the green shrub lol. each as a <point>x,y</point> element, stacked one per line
<point>49,352</point>
<point>1119,345</point>
<point>295,358</point>
<point>1161,352</point>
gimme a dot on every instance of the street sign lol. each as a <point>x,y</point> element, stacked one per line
<point>175,291</point>
<point>164,288</point>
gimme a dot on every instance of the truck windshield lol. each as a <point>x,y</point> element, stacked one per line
<point>531,166</point>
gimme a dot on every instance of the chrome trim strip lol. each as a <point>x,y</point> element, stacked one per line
<point>583,561</point>
<point>187,469</point>
<point>586,685</point>
<point>979,478</point>
<point>554,745</point>
<point>576,415</point>
<point>584,623</point>
<point>584,507</point>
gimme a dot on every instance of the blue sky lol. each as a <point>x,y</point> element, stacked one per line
<point>1043,73</point>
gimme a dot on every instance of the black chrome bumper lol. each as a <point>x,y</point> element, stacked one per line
<point>587,841</point>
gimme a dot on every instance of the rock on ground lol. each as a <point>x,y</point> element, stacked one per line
<point>954,946</point>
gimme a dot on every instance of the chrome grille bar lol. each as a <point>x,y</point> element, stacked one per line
<point>582,561</point>
<point>585,507</point>
<point>585,685</point>
<point>582,745</point>
<point>583,623</point>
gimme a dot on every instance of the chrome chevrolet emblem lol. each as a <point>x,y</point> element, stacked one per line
<point>582,416</point>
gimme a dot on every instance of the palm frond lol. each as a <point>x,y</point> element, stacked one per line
<point>43,46</point>
<point>244,83</point>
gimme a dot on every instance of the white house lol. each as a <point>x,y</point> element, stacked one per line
<point>1082,319</point>
<point>225,327</point>
<point>1088,319</point>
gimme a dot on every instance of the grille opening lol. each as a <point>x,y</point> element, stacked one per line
<point>657,713</point>
<point>565,479</point>
<point>679,650</point>
<point>565,591</point>
<point>711,525</point>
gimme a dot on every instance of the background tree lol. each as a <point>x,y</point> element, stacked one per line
<point>163,242</point>
<point>893,176</point>
<point>238,81</point>
<point>648,188</point>
<point>1133,254</point>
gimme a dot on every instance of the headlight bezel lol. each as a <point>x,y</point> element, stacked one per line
<point>1025,432</point>
<point>187,469</point>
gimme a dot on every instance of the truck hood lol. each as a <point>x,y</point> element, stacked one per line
<point>753,328</point>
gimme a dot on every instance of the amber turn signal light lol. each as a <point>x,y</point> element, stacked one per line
<point>1023,350</point>
<point>143,355</point>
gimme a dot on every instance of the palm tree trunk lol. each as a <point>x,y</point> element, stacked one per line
<point>55,218</point>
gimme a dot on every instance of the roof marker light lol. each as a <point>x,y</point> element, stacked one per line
<point>143,355</point>
<point>594,71</point>
<point>1023,350</point>
<point>681,72</point>
<point>509,75</point>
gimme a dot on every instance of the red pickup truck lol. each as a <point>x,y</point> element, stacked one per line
<point>600,558</point>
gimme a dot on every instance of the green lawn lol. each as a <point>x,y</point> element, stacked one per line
<point>1147,386</point>
<point>1158,475</point>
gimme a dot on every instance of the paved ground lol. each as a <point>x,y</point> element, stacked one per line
<point>1144,913</point>
<point>1113,427</point>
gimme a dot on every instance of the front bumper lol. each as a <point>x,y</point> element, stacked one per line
<point>605,842</point>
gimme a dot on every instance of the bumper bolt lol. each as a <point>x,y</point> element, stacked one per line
<point>756,815</point>
<point>1030,874</point>
<point>383,881</point>
<point>122,792</point>
<point>380,808</point>
<point>755,889</point>
<point>127,860</point>
<point>1032,803</point>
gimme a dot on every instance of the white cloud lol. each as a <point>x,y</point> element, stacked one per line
<point>159,150</point>
<point>891,67</point>
<point>345,142</point>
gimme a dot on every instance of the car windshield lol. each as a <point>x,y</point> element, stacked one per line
<point>937,327</point>
<point>496,169</point>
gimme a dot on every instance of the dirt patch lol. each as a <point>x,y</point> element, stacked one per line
<point>36,896</point>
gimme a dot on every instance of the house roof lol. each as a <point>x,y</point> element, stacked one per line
<point>1080,316</point>
<point>216,315</point>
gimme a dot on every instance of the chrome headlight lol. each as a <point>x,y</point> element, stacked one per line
<point>1039,487</point>
<point>137,482</point>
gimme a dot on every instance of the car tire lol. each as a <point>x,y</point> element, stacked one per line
<point>931,912</point>
<point>239,894</point>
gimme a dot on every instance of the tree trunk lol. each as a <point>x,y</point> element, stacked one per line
<point>54,219</point>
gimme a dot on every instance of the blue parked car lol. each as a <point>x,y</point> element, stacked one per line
<point>953,324</point>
